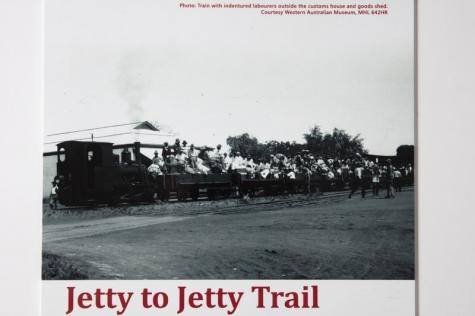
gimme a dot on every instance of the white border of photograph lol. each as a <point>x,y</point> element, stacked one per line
<point>445,216</point>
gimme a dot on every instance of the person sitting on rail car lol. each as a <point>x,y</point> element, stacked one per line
<point>298,161</point>
<point>216,164</point>
<point>157,159</point>
<point>188,168</point>
<point>204,156</point>
<point>238,162</point>
<point>313,166</point>
<point>180,158</point>
<point>166,152</point>
<point>177,146</point>
<point>282,162</point>
<point>258,168</point>
<point>227,162</point>
<point>217,154</point>
<point>290,171</point>
<point>309,161</point>
<point>154,170</point>
<point>274,171</point>
<point>264,170</point>
<point>274,160</point>
<point>249,163</point>
<point>200,165</point>
<point>193,155</point>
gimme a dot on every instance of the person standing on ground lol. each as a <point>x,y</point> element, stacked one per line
<point>357,181</point>
<point>389,179</point>
<point>53,197</point>
<point>366,180</point>
<point>397,180</point>
<point>375,180</point>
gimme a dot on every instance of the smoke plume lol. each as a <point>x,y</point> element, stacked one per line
<point>133,82</point>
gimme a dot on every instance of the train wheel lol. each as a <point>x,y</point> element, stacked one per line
<point>211,194</point>
<point>114,200</point>
<point>293,189</point>
<point>164,196</point>
<point>148,196</point>
<point>181,195</point>
<point>195,193</point>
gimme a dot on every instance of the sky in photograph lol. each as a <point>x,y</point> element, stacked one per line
<point>207,74</point>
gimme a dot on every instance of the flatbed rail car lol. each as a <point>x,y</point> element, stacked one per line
<point>90,173</point>
<point>270,186</point>
<point>186,186</point>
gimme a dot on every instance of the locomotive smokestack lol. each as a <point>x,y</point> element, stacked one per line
<point>138,159</point>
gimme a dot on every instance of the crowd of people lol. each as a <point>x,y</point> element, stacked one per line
<point>361,173</point>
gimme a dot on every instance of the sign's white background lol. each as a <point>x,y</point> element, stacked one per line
<point>446,219</point>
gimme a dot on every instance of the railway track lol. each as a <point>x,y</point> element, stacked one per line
<point>271,205</point>
<point>239,202</point>
<point>188,208</point>
<point>91,227</point>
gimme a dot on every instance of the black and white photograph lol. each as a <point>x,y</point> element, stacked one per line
<point>183,145</point>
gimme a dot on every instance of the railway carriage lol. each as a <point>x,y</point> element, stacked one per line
<point>90,173</point>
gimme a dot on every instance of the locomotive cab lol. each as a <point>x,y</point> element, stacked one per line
<point>84,171</point>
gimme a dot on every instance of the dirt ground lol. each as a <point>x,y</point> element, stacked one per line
<point>338,238</point>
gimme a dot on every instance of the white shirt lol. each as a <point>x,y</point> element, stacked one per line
<point>237,163</point>
<point>181,157</point>
<point>193,153</point>
<point>217,153</point>
<point>250,162</point>
<point>227,162</point>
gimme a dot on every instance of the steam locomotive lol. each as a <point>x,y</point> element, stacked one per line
<point>92,173</point>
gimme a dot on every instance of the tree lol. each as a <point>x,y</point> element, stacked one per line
<point>246,145</point>
<point>287,148</point>
<point>314,139</point>
<point>337,144</point>
<point>405,154</point>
